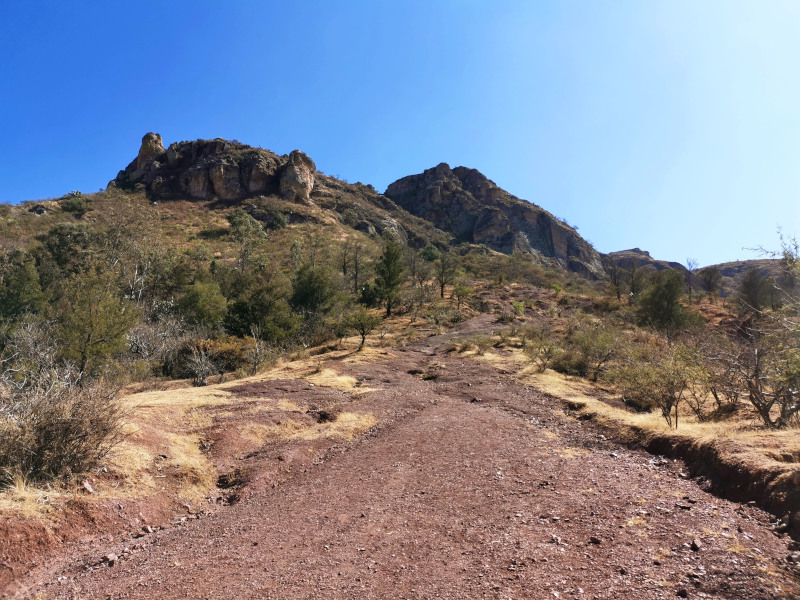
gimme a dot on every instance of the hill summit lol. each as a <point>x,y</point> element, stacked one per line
<point>205,169</point>
<point>471,207</point>
<point>461,203</point>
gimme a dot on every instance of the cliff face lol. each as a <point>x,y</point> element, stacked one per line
<point>205,169</point>
<point>473,208</point>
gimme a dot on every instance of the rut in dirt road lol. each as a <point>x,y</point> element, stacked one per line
<point>470,486</point>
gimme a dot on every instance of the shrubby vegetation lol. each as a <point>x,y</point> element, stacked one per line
<point>105,297</point>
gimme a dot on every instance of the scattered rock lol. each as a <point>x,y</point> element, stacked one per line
<point>696,545</point>
<point>88,486</point>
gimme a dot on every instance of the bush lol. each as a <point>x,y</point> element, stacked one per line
<point>660,305</point>
<point>542,352</point>
<point>56,431</point>
<point>571,362</point>
<point>75,205</point>
<point>199,359</point>
<point>657,377</point>
<point>481,342</point>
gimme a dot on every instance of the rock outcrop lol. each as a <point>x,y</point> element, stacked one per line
<point>206,169</point>
<point>152,146</point>
<point>297,177</point>
<point>635,257</point>
<point>474,209</point>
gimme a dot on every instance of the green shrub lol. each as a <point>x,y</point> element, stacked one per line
<point>570,362</point>
<point>74,204</point>
<point>542,352</point>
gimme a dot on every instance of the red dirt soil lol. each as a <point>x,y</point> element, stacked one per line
<point>471,485</point>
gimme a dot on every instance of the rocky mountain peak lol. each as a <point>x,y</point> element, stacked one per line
<point>470,206</point>
<point>206,169</point>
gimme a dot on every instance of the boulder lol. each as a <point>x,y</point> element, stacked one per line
<point>225,180</point>
<point>297,178</point>
<point>152,147</point>
<point>205,169</point>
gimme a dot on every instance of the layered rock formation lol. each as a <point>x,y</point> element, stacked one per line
<point>474,209</point>
<point>205,169</point>
<point>635,257</point>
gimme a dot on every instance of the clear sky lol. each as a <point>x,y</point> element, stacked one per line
<point>669,125</point>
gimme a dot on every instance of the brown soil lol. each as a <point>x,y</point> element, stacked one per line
<point>471,485</point>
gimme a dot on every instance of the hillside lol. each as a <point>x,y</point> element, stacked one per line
<point>461,202</point>
<point>229,361</point>
<point>472,208</point>
<point>732,273</point>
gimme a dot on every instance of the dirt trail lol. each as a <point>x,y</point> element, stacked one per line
<point>470,486</point>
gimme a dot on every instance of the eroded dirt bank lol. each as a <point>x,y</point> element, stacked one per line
<point>469,486</point>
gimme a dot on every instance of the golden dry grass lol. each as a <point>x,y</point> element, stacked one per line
<point>23,500</point>
<point>345,426</point>
<point>738,442</point>
<point>173,423</point>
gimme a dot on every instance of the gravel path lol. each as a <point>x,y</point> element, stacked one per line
<point>470,486</point>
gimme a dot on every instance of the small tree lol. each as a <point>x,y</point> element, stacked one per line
<point>710,280</point>
<point>765,371</point>
<point>616,278</point>
<point>20,291</point>
<point>247,232</point>
<point>657,377</point>
<point>660,305</point>
<point>754,291</point>
<point>634,277</point>
<point>690,277</point>
<point>93,319</point>
<point>462,293</point>
<point>203,304</point>
<point>444,271</point>
<point>313,290</point>
<point>390,274</point>
<point>363,323</point>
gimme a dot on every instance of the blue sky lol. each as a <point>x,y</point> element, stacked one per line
<point>672,126</point>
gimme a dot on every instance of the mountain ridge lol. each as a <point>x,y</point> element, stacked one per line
<point>461,202</point>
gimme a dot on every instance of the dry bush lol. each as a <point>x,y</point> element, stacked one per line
<point>652,376</point>
<point>56,431</point>
<point>481,342</point>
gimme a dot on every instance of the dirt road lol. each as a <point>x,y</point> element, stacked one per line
<point>469,486</point>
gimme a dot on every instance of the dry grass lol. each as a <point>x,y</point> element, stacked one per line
<point>331,379</point>
<point>346,426</point>
<point>743,442</point>
<point>571,452</point>
<point>173,423</point>
<point>24,500</point>
<point>768,459</point>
